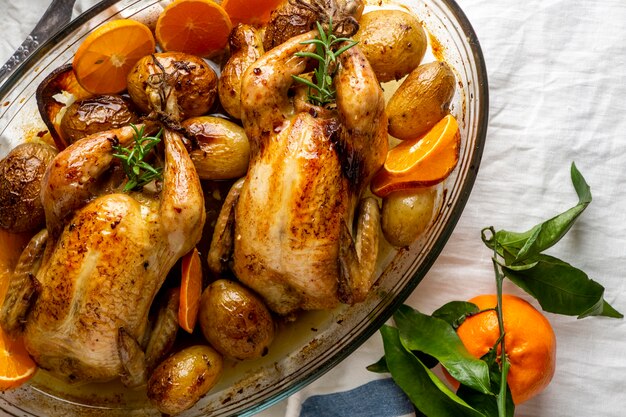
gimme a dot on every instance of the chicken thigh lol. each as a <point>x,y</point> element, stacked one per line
<point>107,255</point>
<point>293,214</point>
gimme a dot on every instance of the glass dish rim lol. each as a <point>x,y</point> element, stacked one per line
<point>456,211</point>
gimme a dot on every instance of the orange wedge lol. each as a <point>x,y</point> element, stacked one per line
<point>16,366</point>
<point>422,162</point>
<point>190,290</point>
<point>106,56</point>
<point>198,27</point>
<point>254,12</point>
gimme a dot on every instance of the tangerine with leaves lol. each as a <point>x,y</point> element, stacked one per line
<point>530,342</point>
<point>421,162</point>
<point>106,56</point>
<point>197,27</point>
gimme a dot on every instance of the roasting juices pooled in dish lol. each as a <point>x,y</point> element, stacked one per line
<point>182,217</point>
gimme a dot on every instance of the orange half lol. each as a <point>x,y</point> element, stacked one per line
<point>421,162</point>
<point>16,366</point>
<point>197,27</point>
<point>106,56</point>
<point>255,12</point>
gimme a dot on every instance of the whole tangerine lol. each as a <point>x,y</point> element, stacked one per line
<point>530,342</point>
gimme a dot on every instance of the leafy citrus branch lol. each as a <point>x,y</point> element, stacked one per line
<point>504,361</point>
<point>420,342</point>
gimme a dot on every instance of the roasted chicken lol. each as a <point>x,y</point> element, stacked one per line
<point>293,215</point>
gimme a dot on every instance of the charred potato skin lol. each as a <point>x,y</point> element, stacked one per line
<point>21,174</point>
<point>421,101</point>
<point>296,17</point>
<point>406,214</point>
<point>288,21</point>
<point>191,78</point>
<point>235,321</point>
<point>223,149</point>
<point>246,46</point>
<point>183,378</point>
<point>58,81</point>
<point>393,41</point>
<point>97,114</point>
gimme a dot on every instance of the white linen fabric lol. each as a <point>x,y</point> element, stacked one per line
<point>557,94</point>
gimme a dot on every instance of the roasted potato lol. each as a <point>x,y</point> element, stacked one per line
<point>421,101</point>
<point>223,148</point>
<point>96,114</point>
<point>393,41</point>
<point>407,214</point>
<point>235,320</point>
<point>59,83</point>
<point>183,378</point>
<point>21,173</point>
<point>246,46</point>
<point>173,84</point>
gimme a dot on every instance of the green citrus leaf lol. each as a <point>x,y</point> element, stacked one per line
<point>546,234</point>
<point>561,288</point>
<point>379,367</point>
<point>455,312</point>
<point>435,337</point>
<point>424,389</point>
<point>487,404</point>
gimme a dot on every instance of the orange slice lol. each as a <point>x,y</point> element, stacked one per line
<point>198,27</point>
<point>254,12</point>
<point>190,290</point>
<point>106,56</point>
<point>422,162</point>
<point>16,366</point>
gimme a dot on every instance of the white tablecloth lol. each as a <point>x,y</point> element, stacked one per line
<point>558,94</point>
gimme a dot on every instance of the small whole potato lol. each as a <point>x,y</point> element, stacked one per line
<point>183,378</point>
<point>235,320</point>
<point>176,84</point>
<point>406,214</point>
<point>393,41</point>
<point>21,173</point>
<point>96,114</point>
<point>223,149</point>
<point>421,101</point>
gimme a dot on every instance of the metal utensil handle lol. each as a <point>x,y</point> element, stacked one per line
<point>58,14</point>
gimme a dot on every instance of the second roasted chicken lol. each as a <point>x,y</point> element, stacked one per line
<point>106,255</point>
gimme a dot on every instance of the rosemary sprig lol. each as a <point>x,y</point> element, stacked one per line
<point>322,92</point>
<point>138,171</point>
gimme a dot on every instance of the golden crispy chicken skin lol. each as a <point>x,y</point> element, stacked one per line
<point>107,255</point>
<point>293,215</point>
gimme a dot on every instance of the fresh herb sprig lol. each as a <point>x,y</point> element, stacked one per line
<point>419,341</point>
<point>322,92</point>
<point>138,171</point>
